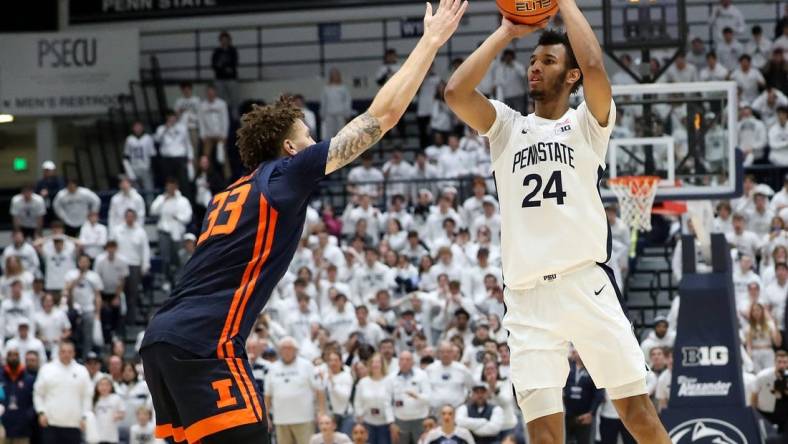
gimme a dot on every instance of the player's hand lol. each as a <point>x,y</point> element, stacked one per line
<point>439,28</point>
<point>585,419</point>
<point>516,31</point>
<point>42,421</point>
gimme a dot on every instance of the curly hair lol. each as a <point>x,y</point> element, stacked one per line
<point>264,128</point>
<point>553,37</point>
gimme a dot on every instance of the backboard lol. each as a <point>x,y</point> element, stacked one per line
<point>686,133</point>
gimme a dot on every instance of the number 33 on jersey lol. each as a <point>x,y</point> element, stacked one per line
<point>547,174</point>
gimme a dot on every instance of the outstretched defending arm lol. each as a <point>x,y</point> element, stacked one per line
<point>394,97</point>
<point>461,94</point>
<point>596,85</point>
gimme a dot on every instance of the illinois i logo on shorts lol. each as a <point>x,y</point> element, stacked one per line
<point>706,431</point>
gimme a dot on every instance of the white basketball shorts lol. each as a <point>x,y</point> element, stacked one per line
<point>581,307</point>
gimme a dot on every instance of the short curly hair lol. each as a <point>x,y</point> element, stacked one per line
<point>264,128</point>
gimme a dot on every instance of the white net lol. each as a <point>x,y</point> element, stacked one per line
<point>635,196</point>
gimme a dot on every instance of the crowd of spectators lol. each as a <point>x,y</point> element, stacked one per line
<point>387,326</point>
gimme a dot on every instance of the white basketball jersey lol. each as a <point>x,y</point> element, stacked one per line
<point>547,174</point>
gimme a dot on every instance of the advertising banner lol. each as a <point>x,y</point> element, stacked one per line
<point>66,73</point>
<point>706,402</point>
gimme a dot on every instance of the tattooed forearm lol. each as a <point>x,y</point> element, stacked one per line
<point>355,138</point>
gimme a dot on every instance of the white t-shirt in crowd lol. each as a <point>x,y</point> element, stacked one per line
<point>449,384</point>
<point>84,289</point>
<point>73,208</point>
<point>138,151</point>
<point>775,295</point>
<point>93,238</point>
<point>28,212</point>
<point>748,82</point>
<point>718,72</point>
<point>58,263</point>
<point>406,407</point>
<point>747,242</point>
<point>26,254</point>
<point>189,108</point>
<point>120,203</point>
<point>362,174</point>
<point>292,391</point>
<point>778,142</point>
<point>109,411</point>
<point>676,75</point>
<point>373,401</point>
<point>112,272</point>
<point>50,326</point>
<point>764,388</point>
<point>139,434</point>
<point>64,393</point>
<point>663,385</point>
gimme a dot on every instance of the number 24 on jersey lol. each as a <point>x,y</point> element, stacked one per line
<point>554,189</point>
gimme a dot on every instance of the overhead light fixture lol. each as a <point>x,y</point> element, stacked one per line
<point>6,118</point>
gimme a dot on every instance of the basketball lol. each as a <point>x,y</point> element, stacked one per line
<point>527,12</point>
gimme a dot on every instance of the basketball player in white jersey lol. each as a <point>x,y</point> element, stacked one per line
<point>555,237</point>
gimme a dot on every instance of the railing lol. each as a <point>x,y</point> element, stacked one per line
<point>99,155</point>
<point>271,52</point>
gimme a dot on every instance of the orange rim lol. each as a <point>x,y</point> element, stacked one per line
<point>636,183</point>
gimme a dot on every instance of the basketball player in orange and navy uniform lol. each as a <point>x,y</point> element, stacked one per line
<point>193,350</point>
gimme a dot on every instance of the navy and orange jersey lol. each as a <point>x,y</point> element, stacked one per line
<point>248,238</point>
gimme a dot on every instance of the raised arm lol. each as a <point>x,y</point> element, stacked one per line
<point>461,95</point>
<point>394,97</point>
<point>596,85</point>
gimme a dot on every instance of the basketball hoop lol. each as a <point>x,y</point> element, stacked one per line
<point>635,195</point>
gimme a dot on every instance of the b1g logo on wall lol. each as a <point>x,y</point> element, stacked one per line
<point>704,356</point>
<point>706,431</point>
<point>532,5</point>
